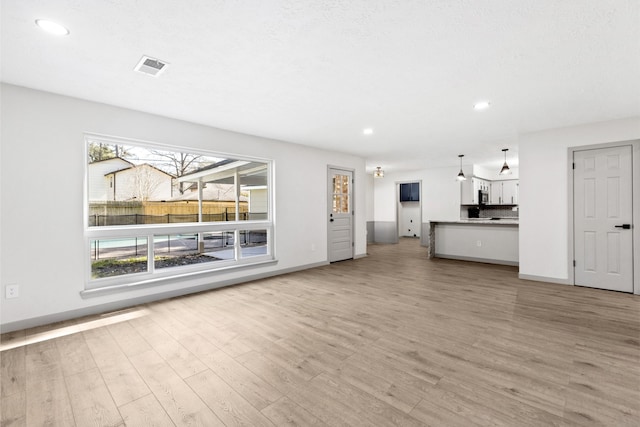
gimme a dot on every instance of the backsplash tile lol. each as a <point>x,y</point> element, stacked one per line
<point>492,212</point>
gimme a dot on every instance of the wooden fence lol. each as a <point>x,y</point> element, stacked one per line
<point>128,213</point>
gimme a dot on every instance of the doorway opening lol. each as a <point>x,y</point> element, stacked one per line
<point>409,208</point>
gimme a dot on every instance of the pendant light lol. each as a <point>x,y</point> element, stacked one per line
<point>378,173</point>
<point>461,176</point>
<point>505,168</point>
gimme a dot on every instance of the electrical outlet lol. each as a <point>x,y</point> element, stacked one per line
<point>12,291</point>
<point>479,243</point>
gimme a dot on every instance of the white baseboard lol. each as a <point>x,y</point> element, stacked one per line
<point>119,305</point>
<point>474,259</point>
<point>544,279</point>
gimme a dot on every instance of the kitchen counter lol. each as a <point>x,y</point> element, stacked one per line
<point>475,239</point>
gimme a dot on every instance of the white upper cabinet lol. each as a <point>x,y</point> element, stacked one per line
<point>504,192</point>
<point>510,192</point>
<point>466,192</point>
<point>495,197</point>
<point>469,190</point>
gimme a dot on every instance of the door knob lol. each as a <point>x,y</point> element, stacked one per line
<point>624,226</point>
<point>331,220</point>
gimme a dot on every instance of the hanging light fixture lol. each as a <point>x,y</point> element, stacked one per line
<point>461,176</point>
<point>378,173</point>
<point>505,168</point>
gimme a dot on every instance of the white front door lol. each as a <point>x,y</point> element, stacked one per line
<point>340,215</point>
<point>603,212</point>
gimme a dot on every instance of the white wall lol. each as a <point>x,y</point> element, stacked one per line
<point>544,186</point>
<point>370,197</point>
<point>440,194</point>
<point>498,243</point>
<point>409,218</point>
<point>43,243</point>
<point>493,174</point>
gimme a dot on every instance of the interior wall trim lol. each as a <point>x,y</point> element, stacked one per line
<point>474,259</point>
<point>386,231</point>
<point>545,279</point>
<point>119,305</point>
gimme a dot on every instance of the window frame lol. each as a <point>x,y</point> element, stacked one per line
<point>148,231</point>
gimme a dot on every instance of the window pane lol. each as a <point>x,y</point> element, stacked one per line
<point>218,200</point>
<point>219,245</point>
<point>151,189</point>
<point>345,184</point>
<point>341,184</point>
<point>253,243</point>
<point>132,185</point>
<point>187,249</point>
<point>340,203</point>
<point>116,257</point>
<point>344,207</point>
<point>254,192</point>
<point>341,194</point>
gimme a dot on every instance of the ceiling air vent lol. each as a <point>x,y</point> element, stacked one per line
<point>151,66</point>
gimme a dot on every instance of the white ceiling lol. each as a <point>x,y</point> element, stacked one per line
<point>318,72</point>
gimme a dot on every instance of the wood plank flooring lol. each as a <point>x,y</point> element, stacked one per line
<point>391,339</point>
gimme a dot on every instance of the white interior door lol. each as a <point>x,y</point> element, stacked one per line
<point>603,213</point>
<point>340,214</point>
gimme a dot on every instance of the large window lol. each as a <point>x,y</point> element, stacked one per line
<point>155,212</point>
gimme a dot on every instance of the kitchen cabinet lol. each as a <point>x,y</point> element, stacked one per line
<point>410,192</point>
<point>459,240</point>
<point>504,192</point>
<point>469,190</point>
<point>495,196</point>
<point>510,192</point>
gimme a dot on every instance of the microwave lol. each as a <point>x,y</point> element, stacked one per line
<point>483,197</point>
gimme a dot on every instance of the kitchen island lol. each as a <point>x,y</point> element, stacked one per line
<point>481,240</point>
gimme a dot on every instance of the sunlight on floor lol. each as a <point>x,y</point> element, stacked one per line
<point>108,319</point>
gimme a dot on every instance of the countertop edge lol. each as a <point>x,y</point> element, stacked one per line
<point>478,222</point>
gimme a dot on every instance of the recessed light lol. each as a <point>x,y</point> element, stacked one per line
<point>52,27</point>
<point>483,105</point>
<point>367,131</point>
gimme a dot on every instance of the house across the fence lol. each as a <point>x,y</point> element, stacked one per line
<point>123,193</point>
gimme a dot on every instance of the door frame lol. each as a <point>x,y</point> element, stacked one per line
<point>635,173</point>
<point>329,199</point>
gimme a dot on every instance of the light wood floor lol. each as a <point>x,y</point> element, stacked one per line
<point>391,339</point>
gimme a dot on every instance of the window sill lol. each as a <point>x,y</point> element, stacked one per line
<point>113,289</point>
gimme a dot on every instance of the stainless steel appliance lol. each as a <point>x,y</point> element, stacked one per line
<point>483,197</point>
